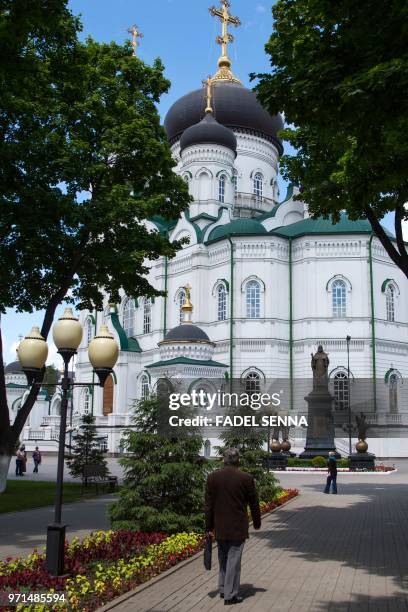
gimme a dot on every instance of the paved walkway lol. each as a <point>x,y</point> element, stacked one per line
<point>320,552</point>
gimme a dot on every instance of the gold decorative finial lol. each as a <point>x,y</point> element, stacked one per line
<point>187,307</point>
<point>208,83</point>
<point>224,63</point>
<point>136,33</point>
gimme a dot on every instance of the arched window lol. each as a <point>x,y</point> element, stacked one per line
<point>89,331</point>
<point>221,188</point>
<point>390,302</point>
<point>339,299</point>
<point>86,401</point>
<point>341,391</point>
<point>207,449</point>
<point>147,316</point>
<point>222,302</point>
<point>128,317</point>
<point>181,298</point>
<point>252,382</point>
<point>393,392</point>
<point>144,387</point>
<point>253,300</point>
<point>258,185</point>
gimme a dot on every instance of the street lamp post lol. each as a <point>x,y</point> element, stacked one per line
<point>348,338</point>
<point>32,352</point>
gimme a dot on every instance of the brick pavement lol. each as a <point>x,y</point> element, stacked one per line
<point>320,552</point>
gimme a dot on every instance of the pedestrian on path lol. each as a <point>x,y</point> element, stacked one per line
<point>332,474</point>
<point>228,494</point>
<point>24,465</point>
<point>36,459</point>
<point>19,461</point>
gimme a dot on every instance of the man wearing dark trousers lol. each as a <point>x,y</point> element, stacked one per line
<point>228,494</point>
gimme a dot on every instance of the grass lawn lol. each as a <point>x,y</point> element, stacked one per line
<point>26,494</point>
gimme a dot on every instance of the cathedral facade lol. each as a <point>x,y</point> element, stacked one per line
<point>267,282</point>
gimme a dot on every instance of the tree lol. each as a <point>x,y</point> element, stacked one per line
<point>86,450</point>
<point>340,74</point>
<point>84,162</point>
<point>51,377</point>
<point>164,475</point>
<point>250,441</point>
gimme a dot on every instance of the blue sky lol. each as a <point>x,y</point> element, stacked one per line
<point>182,33</point>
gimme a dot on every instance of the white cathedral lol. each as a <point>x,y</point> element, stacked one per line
<point>267,282</point>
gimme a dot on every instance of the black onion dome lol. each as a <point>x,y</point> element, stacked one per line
<point>208,131</point>
<point>187,332</point>
<point>234,107</point>
<point>13,368</point>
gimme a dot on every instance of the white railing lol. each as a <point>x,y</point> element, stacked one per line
<point>250,201</point>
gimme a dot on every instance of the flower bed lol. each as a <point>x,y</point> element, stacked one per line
<point>105,565</point>
<point>378,468</point>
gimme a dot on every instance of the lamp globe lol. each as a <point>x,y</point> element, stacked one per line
<point>33,350</point>
<point>67,332</point>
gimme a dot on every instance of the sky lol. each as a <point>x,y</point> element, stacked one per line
<point>182,33</point>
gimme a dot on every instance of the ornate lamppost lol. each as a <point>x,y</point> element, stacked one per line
<point>32,352</point>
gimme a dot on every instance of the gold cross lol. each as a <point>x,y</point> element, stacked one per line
<point>188,291</point>
<point>136,33</point>
<point>226,19</point>
<point>208,82</point>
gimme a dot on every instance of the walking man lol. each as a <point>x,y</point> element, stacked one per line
<point>228,494</point>
<point>332,474</point>
<point>36,459</point>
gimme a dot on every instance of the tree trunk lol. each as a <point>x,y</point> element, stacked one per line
<point>4,468</point>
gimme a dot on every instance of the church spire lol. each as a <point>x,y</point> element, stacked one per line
<point>136,33</point>
<point>224,63</point>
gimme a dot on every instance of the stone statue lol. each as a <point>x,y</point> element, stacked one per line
<point>320,365</point>
<point>362,426</point>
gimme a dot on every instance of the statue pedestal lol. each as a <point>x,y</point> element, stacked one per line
<point>276,461</point>
<point>320,429</point>
<point>362,461</point>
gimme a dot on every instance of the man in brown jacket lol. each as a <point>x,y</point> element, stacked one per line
<point>228,494</point>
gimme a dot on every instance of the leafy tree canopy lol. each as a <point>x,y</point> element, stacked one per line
<point>340,74</point>
<point>84,161</point>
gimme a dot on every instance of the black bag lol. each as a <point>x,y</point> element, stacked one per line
<point>208,552</point>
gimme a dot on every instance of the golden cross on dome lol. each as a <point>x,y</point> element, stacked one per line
<point>224,63</point>
<point>208,83</point>
<point>136,33</point>
<point>187,289</point>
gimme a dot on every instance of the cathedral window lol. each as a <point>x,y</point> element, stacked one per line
<point>253,300</point>
<point>86,401</point>
<point>89,331</point>
<point>128,317</point>
<point>258,185</point>
<point>252,383</point>
<point>144,387</point>
<point>181,298</point>
<point>222,302</point>
<point>221,188</point>
<point>390,302</point>
<point>339,299</point>
<point>147,316</point>
<point>341,391</point>
<point>393,392</point>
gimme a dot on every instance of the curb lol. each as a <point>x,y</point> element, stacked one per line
<point>145,585</point>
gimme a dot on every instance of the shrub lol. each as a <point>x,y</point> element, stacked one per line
<point>319,462</point>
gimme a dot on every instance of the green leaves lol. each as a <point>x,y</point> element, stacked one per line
<point>340,73</point>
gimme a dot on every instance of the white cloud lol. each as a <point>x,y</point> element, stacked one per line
<point>260,8</point>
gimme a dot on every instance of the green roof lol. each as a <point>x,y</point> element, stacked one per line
<point>187,361</point>
<point>325,226</point>
<point>162,224</point>
<point>238,227</point>
<point>126,344</point>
